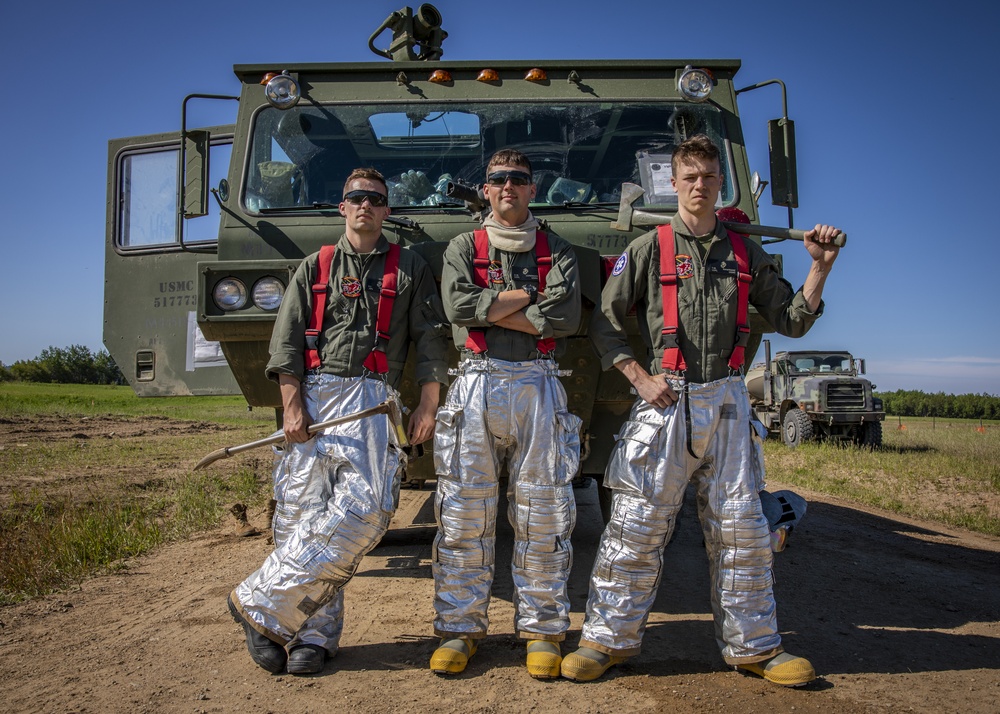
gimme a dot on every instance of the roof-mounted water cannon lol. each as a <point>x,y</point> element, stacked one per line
<point>408,31</point>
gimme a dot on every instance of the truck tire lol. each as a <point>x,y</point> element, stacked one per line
<point>796,428</point>
<point>871,434</point>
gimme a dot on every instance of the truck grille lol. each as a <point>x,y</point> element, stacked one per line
<point>845,396</point>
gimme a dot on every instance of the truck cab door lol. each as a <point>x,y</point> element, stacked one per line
<point>150,276</point>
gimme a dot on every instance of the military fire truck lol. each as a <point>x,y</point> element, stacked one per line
<point>808,394</point>
<point>206,225</point>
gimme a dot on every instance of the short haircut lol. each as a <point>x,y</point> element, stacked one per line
<point>508,157</point>
<point>369,174</point>
<point>698,146</point>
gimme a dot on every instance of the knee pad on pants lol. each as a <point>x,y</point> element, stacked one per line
<point>466,516</point>
<point>543,519</point>
<point>743,548</point>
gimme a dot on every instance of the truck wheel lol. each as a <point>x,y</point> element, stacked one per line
<point>871,434</point>
<point>796,428</point>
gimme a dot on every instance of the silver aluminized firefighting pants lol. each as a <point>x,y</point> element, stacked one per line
<point>496,412</point>
<point>707,437</point>
<point>336,494</point>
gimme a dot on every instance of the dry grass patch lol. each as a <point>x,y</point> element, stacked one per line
<point>943,470</point>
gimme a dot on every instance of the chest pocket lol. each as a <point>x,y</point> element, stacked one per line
<point>722,274</point>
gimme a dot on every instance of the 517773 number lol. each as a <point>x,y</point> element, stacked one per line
<point>175,301</point>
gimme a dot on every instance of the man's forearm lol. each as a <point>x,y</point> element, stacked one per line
<point>812,288</point>
<point>518,321</point>
<point>507,303</point>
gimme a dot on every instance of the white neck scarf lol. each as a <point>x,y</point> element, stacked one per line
<point>517,239</point>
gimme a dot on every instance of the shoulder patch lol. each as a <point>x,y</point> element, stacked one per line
<point>620,265</point>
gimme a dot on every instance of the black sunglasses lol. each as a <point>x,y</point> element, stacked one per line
<point>516,178</point>
<point>375,198</point>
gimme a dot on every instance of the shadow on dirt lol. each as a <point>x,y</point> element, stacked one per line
<point>857,593</point>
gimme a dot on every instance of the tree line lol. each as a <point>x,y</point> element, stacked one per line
<point>75,364</point>
<point>905,402</point>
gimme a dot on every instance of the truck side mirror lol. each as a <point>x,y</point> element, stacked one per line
<point>196,143</point>
<point>784,178</point>
<point>861,366</point>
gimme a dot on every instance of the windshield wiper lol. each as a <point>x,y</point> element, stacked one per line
<point>318,206</point>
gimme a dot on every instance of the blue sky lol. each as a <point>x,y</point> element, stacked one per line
<point>895,112</point>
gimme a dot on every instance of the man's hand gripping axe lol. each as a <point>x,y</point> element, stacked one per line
<point>390,407</point>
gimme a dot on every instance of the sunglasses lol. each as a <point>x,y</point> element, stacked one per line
<point>376,199</point>
<point>516,178</point>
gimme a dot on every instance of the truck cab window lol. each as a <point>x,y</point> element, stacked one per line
<point>147,198</point>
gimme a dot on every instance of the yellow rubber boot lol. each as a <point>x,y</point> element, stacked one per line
<point>544,658</point>
<point>452,655</point>
<point>784,669</point>
<point>586,664</point>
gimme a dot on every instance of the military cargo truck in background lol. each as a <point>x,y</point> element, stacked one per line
<point>205,226</point>
<point>806,395</point>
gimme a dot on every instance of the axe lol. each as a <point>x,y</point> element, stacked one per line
<point>390,407</point>
<point>628,216</point>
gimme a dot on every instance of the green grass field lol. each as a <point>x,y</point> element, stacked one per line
<point>945,470</point>
<point>72,504</point>
<point>93,476</point>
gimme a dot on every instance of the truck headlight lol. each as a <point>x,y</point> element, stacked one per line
<point>281,90</point>
<point>230,294</point>
<point>267,293</point>
<point>695,84</point>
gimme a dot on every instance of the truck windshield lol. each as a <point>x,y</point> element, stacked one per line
<point>580,152</point>
<point>822,362</point>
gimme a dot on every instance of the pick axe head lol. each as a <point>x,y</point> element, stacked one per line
<point>630,194</point>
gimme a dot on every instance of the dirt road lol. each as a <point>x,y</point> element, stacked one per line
<point>896,615</point>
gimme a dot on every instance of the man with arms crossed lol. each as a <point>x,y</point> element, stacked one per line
<point>510,291</point>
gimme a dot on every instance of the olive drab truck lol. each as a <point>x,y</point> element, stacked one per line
<point>205,226</point>
<point>808,394</point>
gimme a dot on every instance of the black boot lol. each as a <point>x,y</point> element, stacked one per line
<point>306,659</point>
<point>267,654</point>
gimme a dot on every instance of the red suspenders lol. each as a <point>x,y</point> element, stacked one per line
<point>476,341</point>
<point>673,360</point>
<point>377,361</point>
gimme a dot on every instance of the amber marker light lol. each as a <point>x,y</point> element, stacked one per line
<point>488,75</point>
<point>440,76</point>
<point>536,75</point>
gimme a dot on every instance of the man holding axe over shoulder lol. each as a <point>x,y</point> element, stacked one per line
<point>338,348</point>
<point>692,283</point>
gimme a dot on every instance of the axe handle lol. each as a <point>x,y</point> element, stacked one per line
<point>228,451</point>
<point>774,232</point>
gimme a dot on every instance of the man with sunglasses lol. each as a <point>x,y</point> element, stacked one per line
<point>511,291</point>
<point>336,491</point>
<point>692,282</point>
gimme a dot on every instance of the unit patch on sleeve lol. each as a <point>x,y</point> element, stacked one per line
<point>620,265</point>
<point>350,287</point>
<point>685,266</point>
